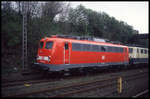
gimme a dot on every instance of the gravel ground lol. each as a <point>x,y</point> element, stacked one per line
<point>63,82</point>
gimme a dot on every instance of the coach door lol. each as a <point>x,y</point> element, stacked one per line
<point>125,55</point>
<point>66,53</point>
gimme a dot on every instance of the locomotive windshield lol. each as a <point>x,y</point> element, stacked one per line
<point>41,44</point>
<point>49,45</point>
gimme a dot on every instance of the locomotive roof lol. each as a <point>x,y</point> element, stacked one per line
<point>81,41</point>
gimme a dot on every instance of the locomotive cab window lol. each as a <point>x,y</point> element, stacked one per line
<point>49,45</point>
<point>41,44</point>
<point>66,46</point>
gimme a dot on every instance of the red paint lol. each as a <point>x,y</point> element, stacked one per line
<point>60,56</point>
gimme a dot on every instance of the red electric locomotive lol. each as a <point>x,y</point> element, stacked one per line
<point>58,53</point>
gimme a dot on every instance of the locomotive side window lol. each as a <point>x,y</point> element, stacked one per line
<point>103,49</point>
<point>109,48</point>
<point>117,49</point>
<point>41,44</point>
<point>86,47</point>
<point>113,49</point>
<point>49,45</point>
<point>66,46</point>
<point>121,49</point>
<point>76,47</point>
<point>95,48</point>
<point>99,48</point>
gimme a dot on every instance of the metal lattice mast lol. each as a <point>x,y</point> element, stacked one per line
<point>24,40</point>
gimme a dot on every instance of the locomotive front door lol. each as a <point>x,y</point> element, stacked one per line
<point>66,53</point>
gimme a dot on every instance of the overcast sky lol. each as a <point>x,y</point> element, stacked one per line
<point>133,13</point>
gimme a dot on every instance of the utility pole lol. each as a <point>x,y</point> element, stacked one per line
<point>24,36</point>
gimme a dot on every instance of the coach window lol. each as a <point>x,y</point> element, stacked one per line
<point>141,50</point>
<point>145,51</point>
<point>66,46</point>
<point>137,50</point>
<point>130,50</point>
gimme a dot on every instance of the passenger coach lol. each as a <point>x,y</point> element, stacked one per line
<point>57,54</point>
<point>138,55</point>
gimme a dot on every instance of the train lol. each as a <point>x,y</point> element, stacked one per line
<point>138,55</point>
<point>65,53</point>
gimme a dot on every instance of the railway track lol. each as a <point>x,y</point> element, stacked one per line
<point>10,84</point>
<point>70,89</point>
<point>141,93</point>
<point>41,80</point>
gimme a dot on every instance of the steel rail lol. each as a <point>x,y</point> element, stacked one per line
<point>12,81</point>
<point>20,82</point>
<point>57,88</point>
<point>141,93</point>
<point>89,88</point>
<point>23,82</point>
<point>83,90</point>
<point>62,87</point>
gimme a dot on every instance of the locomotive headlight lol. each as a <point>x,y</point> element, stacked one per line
<point>39,57</point>
<point>46,58</point>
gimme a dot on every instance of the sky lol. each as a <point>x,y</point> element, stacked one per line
<point>134,13</point>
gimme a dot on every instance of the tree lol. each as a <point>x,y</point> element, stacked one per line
<point>78,19</point>
<point>51,9</point>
